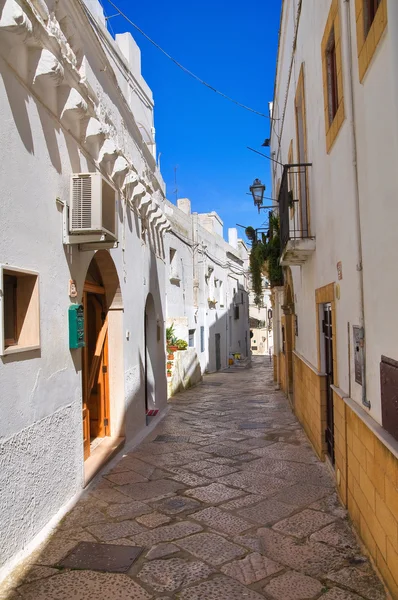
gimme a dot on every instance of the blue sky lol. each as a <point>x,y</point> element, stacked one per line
<point>231,45</point>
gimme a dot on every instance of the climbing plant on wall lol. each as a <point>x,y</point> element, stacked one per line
<point>264,257</point>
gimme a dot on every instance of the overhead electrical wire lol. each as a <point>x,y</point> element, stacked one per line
<point>187,71</point>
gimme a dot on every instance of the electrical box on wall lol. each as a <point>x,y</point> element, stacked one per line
<point>358,353</point>
<point>76,326</point>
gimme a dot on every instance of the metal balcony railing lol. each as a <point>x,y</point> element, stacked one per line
<point>293,203</point>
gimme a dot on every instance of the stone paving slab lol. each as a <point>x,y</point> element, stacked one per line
<point>110,558</point>
<point>363,581</point>
<point>222,512</point>
<point>214,493</point>
<point>170,574</point>
<point>304,523</point>
<point>252,568</point>
<point>221,520</point>
<point>293,586</point>
<point>81,585</point>
<point>220,588</point>
<point>211,547</point>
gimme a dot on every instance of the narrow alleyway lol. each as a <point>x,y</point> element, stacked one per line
<point>227,501</point>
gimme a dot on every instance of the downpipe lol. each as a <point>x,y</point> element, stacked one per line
<point>351,106</point>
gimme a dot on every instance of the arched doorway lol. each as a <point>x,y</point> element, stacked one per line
<point>152,340</point>
<point>101,295</point>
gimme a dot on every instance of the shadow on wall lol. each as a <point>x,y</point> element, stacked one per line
<point>186,371</point>
<point>229,334</point>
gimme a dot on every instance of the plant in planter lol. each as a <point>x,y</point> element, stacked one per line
<point>169,365</point>
<point>170,354</point>
<point>181,344</point>
<point>168,373</point>
<point>171,339</point>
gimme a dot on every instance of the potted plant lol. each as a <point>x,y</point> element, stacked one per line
<point>168,373</point>
<point>171,339</point>
<point>212,302</point>
<point>181,344</point>
<point>170,354</point>
<point>169,365</point>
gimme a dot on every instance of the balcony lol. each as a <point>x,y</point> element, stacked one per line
<point>297,244</point>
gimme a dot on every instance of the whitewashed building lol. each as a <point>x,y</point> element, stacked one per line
<point>82,258</point>
<point>207,283</point>
<point>335,134</point>
<point>260,320</point>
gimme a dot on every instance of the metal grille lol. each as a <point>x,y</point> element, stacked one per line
<point>81,205</point>
<point>293,203</point>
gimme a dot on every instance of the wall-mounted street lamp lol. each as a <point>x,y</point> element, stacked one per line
<point>257,190</point>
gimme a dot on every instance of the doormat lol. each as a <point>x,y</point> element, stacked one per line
<point>109,558</point>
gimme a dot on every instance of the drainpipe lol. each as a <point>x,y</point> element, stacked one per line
<point>351,117</point>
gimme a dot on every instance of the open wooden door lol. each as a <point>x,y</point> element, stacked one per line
<point>95,366</point>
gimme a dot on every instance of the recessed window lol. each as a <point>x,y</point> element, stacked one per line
<point>20,315</point>
<point>371,22</point>
<point>174,267</point>
<point>369,12</point>
<point>191,338</point>
<point>331,66</point>
<point>202,338</point>
<point>332,75</point>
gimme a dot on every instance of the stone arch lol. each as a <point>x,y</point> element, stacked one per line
<point>103,371</point>
<point>110,279</point>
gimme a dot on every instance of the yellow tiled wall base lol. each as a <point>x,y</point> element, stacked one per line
<point>282,371</point>
<point>340,448</point>
<point>275,365</point>
<point>310,403</point>
<point>371,474</point>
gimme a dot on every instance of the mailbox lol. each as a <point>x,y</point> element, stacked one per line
<point>76,326</point>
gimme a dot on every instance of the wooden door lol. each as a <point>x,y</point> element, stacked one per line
<point>95,367</point>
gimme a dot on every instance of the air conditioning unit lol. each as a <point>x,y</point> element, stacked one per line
<point>92,209</point>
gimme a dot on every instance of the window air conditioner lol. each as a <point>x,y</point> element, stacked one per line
<point>92,207</point>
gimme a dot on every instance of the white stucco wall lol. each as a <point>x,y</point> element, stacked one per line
<point>41,462</point>
<point>332,182</point>
<point>207,268</point>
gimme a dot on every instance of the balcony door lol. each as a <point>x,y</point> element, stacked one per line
<point>301,132</point>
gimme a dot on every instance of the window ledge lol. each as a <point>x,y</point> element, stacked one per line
<point>17,349</point>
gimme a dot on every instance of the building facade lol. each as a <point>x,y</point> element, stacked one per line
<point>206,293</point>
<point>260,319</point>
<point>335,134</point>
<point>82,258</point>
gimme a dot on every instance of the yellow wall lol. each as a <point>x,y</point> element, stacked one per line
<point>282,371</point>
<point>369,488</point>
<point>275,365</point>
<point>310,403</point>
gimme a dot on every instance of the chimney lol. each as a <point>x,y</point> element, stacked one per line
<point>233,237</point>
<point>184,204</point>
<point>130,51</point>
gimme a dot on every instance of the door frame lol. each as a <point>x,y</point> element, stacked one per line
<point>328,341</point>
<point>326,295</point>
<point>101,357</point>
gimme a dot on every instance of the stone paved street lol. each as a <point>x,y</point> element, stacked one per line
<point>226,501</point>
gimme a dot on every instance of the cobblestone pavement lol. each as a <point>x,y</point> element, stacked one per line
<point>227,501</point>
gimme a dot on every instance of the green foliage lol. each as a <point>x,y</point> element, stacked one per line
<point>181,344</point>
<point>265,251</point>
<point>171,338</point>
<point>251,234</point>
